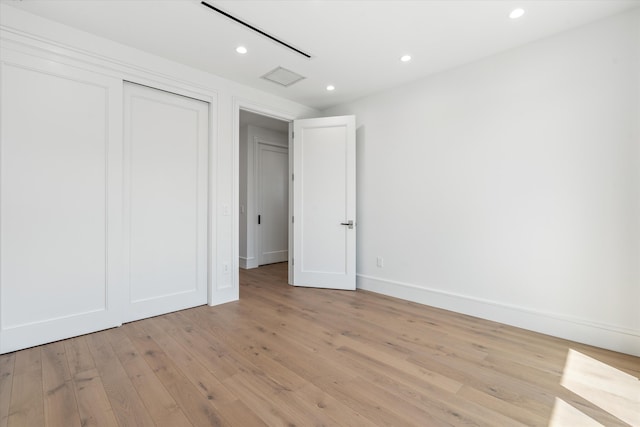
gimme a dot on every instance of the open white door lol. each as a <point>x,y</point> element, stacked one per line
<point>324,203</point>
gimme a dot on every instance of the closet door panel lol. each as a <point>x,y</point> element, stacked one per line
<point>166,140</point>
<point>60,186</point>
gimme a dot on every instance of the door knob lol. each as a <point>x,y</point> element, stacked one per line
<point>348,224</point>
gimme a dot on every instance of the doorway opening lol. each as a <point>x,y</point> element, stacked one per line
<point>263,202</point>
<point>322,201</point>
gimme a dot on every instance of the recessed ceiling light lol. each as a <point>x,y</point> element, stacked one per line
<point>241,50</point>
<point>331,87</point>
<point>405,58</point>
<point>516,13</point>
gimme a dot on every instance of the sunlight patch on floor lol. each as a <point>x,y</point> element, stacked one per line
<point>565,415</point>
<point>609,388</point>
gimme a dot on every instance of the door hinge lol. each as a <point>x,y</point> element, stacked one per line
<point>292,135</point>
<point>292,177</point>
<point>258,219</point>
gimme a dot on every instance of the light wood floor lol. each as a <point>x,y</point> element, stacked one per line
<point>285,356</point>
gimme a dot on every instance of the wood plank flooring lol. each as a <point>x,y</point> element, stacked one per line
<point>284,356</point>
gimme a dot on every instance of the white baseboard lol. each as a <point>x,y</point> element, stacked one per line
<point>275,256</point>
<point>580,330</point>
<point>248,263</point>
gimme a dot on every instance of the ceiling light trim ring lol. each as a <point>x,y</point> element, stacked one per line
<point>517,13</point>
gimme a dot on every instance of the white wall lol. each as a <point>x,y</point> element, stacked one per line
<point>36,36</point>
<point>509,188</point>
<point>250,135</point>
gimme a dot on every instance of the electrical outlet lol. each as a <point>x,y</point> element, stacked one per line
<point>380,262</point>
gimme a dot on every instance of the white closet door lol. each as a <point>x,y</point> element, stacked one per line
<point>60,210</point>
<point>166,140</point>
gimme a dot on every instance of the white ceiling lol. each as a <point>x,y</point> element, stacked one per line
<point>356,45</point>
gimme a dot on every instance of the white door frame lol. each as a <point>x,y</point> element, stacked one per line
<point>246,105</point>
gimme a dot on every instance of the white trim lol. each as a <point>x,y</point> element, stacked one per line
<point>263,110</point>
<point>79,58</point>
<point>290,213</point>
<point>265,141</point>
<point>584,331</point>
<point>248,263</point>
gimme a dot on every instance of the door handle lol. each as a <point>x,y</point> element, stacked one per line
<point>348,224</point>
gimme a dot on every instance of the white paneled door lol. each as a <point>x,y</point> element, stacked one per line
<point>166,174</point>
<point>60,193</point>
<point>273,204</point>
<point>324,202</point>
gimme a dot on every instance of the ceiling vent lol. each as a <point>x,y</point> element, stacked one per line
<point>283,77</point>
